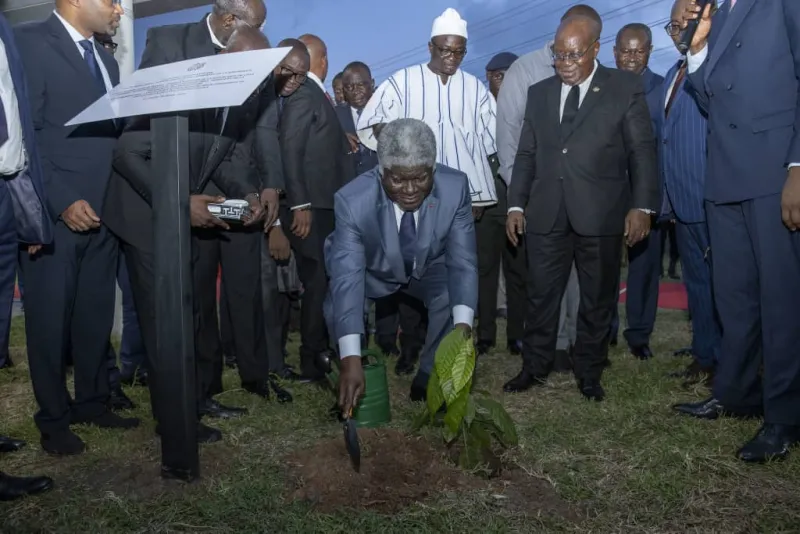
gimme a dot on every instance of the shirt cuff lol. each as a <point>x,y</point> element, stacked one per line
<point>516,209</point>
<point>461,315</point>
<point>301,206</point>
<point>694,62</point>
<point>649,212</point>
<point>277,222</point>
<point>350,345</point>
<point>793,165</point>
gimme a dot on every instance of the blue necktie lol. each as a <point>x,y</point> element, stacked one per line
<point>408,241</point>
<point>3,125</point>
<point>91,62</point>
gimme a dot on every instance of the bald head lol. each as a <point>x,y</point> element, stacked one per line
<point>227,16</point>
<point>575,48</point>
<point>582,10</point>
<point>579,25</point>
<point>246,38</point>
<point>298,56</point>
<point>319,55</point>
<point>292,71</point>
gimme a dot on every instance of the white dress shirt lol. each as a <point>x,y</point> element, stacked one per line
<point>350,345</point>
<point>77,37</point>
<point>12,152</point>
<point>214,39</point>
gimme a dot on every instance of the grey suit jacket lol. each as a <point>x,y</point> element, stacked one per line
<point>363,257</point>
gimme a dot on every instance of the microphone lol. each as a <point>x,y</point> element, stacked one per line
<point>691,27</point>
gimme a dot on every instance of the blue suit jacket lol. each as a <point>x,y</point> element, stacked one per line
<point>365,159</point>
<point>27,190</point>
<point>363,257</point>
<point>682,149</point>
<point>749,86</point>
<point>652,87</point>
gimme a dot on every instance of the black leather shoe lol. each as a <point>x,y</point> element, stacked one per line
<point>63,443</point>
<point>514,347</point>
<point>712,409</point>
<point>10,444</point>
<point>287,373</point>
<point>406,362</point>
<point>119,401</point>
<point>260,388</point>
<point>523,382</point>
<point>212,408</point>
<point>109,419</point>
<point>592,390</point>
<point>419,388</point>
<point>482,348</point>
<point>641,352</point>
<point>772,443</point>
<point>281,394</point>
<point>12,488</point>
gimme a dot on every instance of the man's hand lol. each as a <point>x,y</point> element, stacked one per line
<point>354,142</point>
<point>465,328</point>
<point>477,212</point>
<point>700,38</point>
<point>351,383</point>
<point>199,215</point>
<point>301,222</point>
<point>33,250</point>
<point>515,226</point>
<point>637,226</point>
<point>256,210</point>
<point>270,201</point>
<point>80,217</point>
<point>279,244</point>
<point>790,200</point>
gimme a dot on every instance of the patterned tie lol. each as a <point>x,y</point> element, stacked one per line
<point>91,62</point>
<point>3,125</point>
<point>408,241</point>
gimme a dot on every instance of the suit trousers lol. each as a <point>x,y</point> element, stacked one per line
<point>238,253</point>
<point>641,298</point>
<point>568,318</point>
<point>9,251</point>
<point>69,304</point>
<point>310,256</point>
<point>694,250</point>
<point>494,249</point>
<point>276,306</point>
<point>550,259</point>
<point>404,312</point>
<point>756,277</point>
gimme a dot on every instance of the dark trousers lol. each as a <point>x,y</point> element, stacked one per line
<point>641,298</point>
<point>404,312</point>
<point>276,306</point>
<point>669,232</point>
<point>238,253</point>
<point>494,249</point>
<point>310,257</point>
<point>132,356</point>
<point>756,276</point>
<point>550,258</point>
<point>226,326</point>
<point>69,303</point>
<point>9,249</point>
<point>694,247</point>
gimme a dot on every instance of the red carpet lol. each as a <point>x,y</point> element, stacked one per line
<point>671,295</point>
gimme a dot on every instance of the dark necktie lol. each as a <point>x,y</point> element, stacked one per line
<point>675,88</point>
<point>91,62</point>
<point>3,125</point>
<point>571,107</point>
<point>408,241</point>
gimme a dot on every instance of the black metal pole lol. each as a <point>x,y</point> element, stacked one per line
<point>177,402</point>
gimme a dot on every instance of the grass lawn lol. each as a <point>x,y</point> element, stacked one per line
<point>624,465</point>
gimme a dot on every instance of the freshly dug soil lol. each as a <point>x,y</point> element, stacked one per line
<point>398,471</point>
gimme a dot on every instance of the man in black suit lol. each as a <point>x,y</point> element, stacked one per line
<point>315,151</point>
<point>218,154</point>
<point>70,290</point>
<point>585,175</point>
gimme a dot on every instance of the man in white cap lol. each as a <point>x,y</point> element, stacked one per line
<point>454,104</point>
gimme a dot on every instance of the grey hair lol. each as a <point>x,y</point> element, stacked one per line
<point>406,143</point>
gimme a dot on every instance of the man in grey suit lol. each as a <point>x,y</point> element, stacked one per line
<point>376,250</point>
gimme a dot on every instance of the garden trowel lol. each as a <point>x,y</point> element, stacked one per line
<point>351,442</point>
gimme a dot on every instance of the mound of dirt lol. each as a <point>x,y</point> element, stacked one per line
<point>399,470</point>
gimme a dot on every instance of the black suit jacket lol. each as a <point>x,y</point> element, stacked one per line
<point>266,141</point>
<point>365,159</point>
<point>76,160</point>
<point>314,148</point>
<point>602,167</point>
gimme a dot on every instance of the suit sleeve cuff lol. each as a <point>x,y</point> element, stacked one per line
<point>350,345</point>
<point>510,210</point>
<point>301,206</point>
<point>694,62</point>
<point>461,315</point>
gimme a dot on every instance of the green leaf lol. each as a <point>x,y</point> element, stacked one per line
<point>448,434</point>
<point>446,354</point>
<point>435,397</point>
<point>491,411</point>
<point>463,366</point>
<point>476,442</point>
<point>456,411</point>
<point>469,416</point>
<point>420,420</point>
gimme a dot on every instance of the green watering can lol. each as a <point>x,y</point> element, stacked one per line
<point>373,409</point>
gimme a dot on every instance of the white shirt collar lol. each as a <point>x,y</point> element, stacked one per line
<point>317,81</point>
<point>73,33</point>
<point>211,32</point>
<point>584,85</point>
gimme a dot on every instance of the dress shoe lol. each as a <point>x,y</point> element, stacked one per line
<point>419,387</point>
<point>287,373</point>
<point>205,434</point>
<point>62,443</point>
<point>591,389</point>
<point>523,382</point>
<point>119,401</point>
<point>642,352</point>
<point>212,408</point>
<point>10,444</point>
<point>407,361</point>
<point>563,361</point>
<point>12,488</point>
<point>712,409</point>
<point>390,350</point>
<point>514,347</point>
<point>281,394</point>
<point>771,443</point>
<point>260,388</point>
<point>482,348</point>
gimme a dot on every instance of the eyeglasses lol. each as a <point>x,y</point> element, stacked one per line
<point>111,47</point>
<point>572,57</point>
<point>673,28</point>
<point>286,72</point>
<point>447,52</point>
<point>350,87</point>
